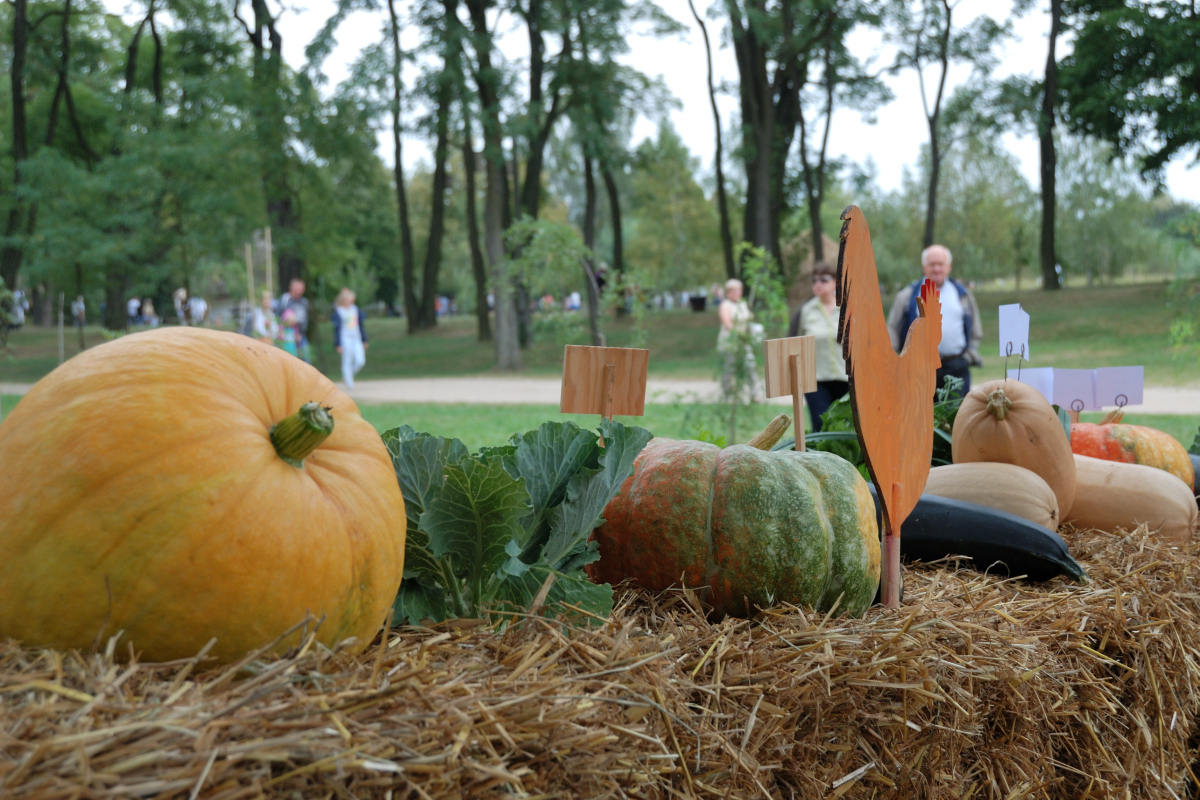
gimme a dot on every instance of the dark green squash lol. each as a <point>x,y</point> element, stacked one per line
<point>746,526</point>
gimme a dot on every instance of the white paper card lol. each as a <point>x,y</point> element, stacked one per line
<point>1119,386</point>
<point>1014,331</point>
<point>1075,389</point>
<point>1041,379</point>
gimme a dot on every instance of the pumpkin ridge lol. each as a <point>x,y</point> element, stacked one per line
<point>150,604</point>
<point>710,561</point>
<point>54,519</point>
<point>823,517</point>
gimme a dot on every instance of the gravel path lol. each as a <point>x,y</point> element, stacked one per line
<point>495,390</point>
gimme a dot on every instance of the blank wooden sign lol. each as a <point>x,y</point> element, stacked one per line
<point>609,381</point>
<point>779,375</point>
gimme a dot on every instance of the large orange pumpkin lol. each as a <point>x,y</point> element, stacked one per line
<point>141,492</point>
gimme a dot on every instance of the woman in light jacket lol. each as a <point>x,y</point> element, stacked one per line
<point>819,318</point>
<point>350,335</point>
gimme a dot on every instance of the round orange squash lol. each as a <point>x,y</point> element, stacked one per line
<point>1133,444</point>
<point>1010,422</point>
<point>142,492</point>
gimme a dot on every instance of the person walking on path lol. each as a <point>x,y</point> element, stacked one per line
<point>294,300</point>
<point>350,335</point>
<point>819,318</point>
<point>961,329</point>
<point>735,340</point>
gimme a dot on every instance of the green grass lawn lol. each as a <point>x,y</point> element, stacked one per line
<point>478,426</point>
<point>1077,328</point>
<point>1083,328</point>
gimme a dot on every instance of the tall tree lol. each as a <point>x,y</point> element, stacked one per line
<point>1047,258</point>
<point>412,309</point>
<point>925,33</point>
<point>21,215</point>
<point>843,82</point>
<point>269,111</point>
<point>766,45</point>
<point>496,215</point>
<point>478,271</point>
<point>719,159</point>
<point>591,286</point>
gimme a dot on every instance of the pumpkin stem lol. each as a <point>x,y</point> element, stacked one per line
<point>1113,417</point>
<point>295,437</point>
<point>770,435</point>
<point>998,405</point>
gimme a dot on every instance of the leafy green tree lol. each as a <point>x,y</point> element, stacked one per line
<point>1131,78</point>
<point>1105,211</point>
<point>675,229</point>
<point>924,31</point>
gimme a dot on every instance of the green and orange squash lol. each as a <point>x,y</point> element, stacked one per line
<point>747,527</point>
<point>181,485</point>
<point>1111,440</point>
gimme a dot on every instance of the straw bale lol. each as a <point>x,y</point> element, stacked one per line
<point>979,687</point>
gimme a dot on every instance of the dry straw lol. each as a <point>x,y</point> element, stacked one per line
<point>979,687</point>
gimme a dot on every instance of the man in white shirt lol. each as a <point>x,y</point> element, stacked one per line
<point>961,329</point>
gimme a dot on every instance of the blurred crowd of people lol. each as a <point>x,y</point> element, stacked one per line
<point>283,322</point>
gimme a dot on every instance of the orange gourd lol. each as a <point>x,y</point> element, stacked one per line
<point>148,489</point>
<point>1132,444</point>
<point>1012,423</point>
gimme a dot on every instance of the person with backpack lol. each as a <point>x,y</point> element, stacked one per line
<point>961,329</point>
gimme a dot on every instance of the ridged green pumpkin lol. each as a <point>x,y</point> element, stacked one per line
<point>746,526</point>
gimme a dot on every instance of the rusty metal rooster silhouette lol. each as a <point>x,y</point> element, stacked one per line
<point>891,394</point>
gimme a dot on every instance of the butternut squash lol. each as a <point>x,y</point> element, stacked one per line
<point>1012,423</point>
<point>1113,494</point>
<point>1004,487</point>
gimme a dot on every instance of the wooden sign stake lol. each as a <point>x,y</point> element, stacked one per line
<point>797,405</point>
<point>792,369</point>
<point>891,393</point>
<point>609,381</point>
<point>610,386</point>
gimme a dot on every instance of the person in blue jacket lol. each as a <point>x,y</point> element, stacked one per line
<point>350,335</point>
<point>961,329</point>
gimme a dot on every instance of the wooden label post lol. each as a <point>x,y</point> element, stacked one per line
<point>609,381</point>
<point>792,369</point>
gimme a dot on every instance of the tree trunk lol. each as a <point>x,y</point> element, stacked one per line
<point>437,219</point>
<point>116,286</point>
<point>270,123</point>
<point>718,161</point>
<point>13,252</point>
<point>1049,159</point>
<point>477,268</point>
<point>614,210</point>
<point>508,351</point>
<point>757,123</point>
<point>769,116</point>
<point>935,167</point>
<point>589,241</point>
<point>412,307</point>
<point>931,118</point>
<point>814,177</point>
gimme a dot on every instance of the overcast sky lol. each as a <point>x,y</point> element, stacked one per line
<point>893,141</point>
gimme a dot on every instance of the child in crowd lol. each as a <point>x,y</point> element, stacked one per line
<point>289,333</point>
